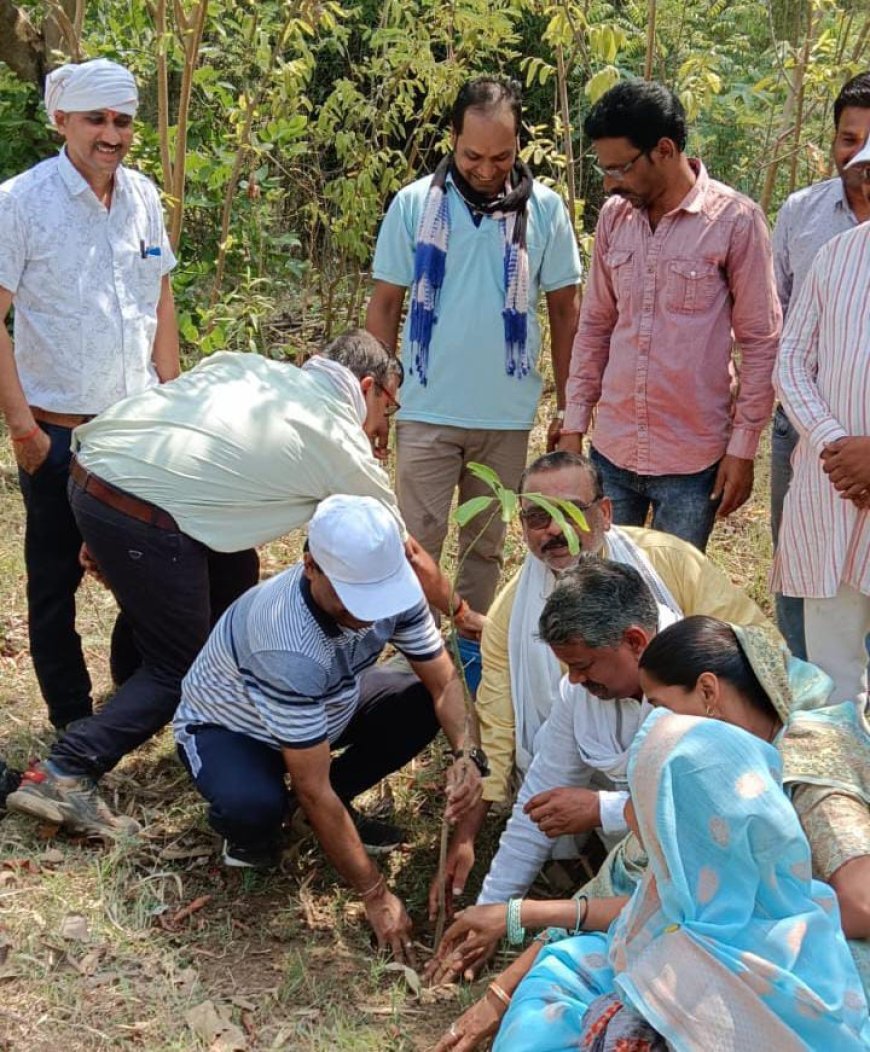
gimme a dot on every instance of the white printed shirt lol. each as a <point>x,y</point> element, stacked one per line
<point>823,381</point>
<point>85,281</point>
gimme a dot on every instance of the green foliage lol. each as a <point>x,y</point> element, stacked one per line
<point>307,116</point>
<point>25,136</point>
<point>507,502</point>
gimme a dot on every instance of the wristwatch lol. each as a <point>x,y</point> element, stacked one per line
<point>477,757</point>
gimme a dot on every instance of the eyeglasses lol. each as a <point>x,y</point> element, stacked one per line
<point>620,171</point>
<point>394,405</point>
<point>537,518</point>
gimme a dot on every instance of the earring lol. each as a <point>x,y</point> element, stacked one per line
<point>708,711</point>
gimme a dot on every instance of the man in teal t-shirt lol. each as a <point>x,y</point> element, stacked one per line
<point>475,242</point>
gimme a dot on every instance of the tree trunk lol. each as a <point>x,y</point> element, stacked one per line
<point>22,47</point>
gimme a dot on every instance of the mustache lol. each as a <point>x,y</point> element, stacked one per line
<point>556,542</point>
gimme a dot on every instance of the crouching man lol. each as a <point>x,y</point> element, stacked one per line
<point>288,673</point>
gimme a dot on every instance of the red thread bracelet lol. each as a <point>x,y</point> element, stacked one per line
<point>28,436</point>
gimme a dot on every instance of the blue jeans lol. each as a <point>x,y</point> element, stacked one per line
<point>680,504</point>
<point>243,779</point>
<point>789,609</point>
<point>171,589</point>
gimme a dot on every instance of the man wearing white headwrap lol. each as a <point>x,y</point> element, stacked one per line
<point>85,259</point>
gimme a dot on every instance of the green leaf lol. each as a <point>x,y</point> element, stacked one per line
<point>554,506</point>
<point>486,475</point>
<point>467,511</point>
<point>508,504</point>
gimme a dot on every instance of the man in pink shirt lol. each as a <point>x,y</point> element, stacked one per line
<point>681,262</point>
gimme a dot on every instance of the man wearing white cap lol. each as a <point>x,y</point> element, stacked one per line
<point>288,674</point>
<point>85,259</point>
<point>823,380</point>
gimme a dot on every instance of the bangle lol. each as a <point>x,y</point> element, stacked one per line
<point>580,918</point>
<point>500,993</point>
<point>515,930</point>
<point>28,436</point>
<point>374,889</point>
<point>559,414</point>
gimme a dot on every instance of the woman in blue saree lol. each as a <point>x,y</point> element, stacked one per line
<point>727,944</point>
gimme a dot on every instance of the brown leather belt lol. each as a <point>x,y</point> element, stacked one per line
<point>59,419</point>
<point>116,498</point>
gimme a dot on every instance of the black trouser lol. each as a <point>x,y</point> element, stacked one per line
<point>243,779</point>
<point>51,556</point>
<point>171,590</point>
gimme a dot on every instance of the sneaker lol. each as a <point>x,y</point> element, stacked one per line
<point>237,857</point>
<point>9,782</point>
<point>378,838</point>
<point>72,801</point>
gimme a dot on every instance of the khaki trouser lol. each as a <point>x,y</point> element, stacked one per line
<point>431,463</point>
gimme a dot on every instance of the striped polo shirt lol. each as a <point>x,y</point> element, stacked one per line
<point>279,669</point>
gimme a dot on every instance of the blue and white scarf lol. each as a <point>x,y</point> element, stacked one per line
<point>430,259</point>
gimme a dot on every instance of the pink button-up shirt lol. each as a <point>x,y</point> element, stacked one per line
<point>654,343</point>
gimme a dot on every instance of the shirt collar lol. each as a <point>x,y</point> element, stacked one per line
<point>76,183</point>
<point>73,180</point>
<point>329,625</point>
<point>694,199</point>
<point>840,200</point>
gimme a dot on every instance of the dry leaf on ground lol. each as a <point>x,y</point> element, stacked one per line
<point>75,928</point>
<point>215,1025</point>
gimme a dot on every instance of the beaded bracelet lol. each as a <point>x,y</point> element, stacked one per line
<point>580,919</point>
<point>515,930</point>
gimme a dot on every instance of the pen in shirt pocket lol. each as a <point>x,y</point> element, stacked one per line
<point>151,250</point>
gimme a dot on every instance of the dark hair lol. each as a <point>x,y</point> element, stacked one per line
<point>597,601</point>
<point>364,355</point>
<point>677,656</point>
<point>855,92</point>
<point>556,461</point>
<point>641,111</point>
<point>487,94</point>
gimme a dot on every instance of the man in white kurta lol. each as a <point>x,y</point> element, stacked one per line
<point>823,380</point>
<point>598,621</point>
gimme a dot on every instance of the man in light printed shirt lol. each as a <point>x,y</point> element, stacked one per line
<point>288,674</point>
<point>85,259</point>
<point>680,262</point>
<point>806,221</point>
<point>823,381</point>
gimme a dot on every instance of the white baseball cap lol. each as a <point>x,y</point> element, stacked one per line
<point>862,156</point>
<point>356,543</point>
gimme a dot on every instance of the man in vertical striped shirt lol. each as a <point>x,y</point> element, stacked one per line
<point>807,220</point>
<point>288,673</point>
<point>823,381</point>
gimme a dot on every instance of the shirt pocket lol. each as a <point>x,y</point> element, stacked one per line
<point>620,263</point>
<point>691,285</point>
<point>145,277</point>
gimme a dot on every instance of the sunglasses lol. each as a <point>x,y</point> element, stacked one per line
<point>537,518</point>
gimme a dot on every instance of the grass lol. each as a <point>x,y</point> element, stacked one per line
<point>93,952</point>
